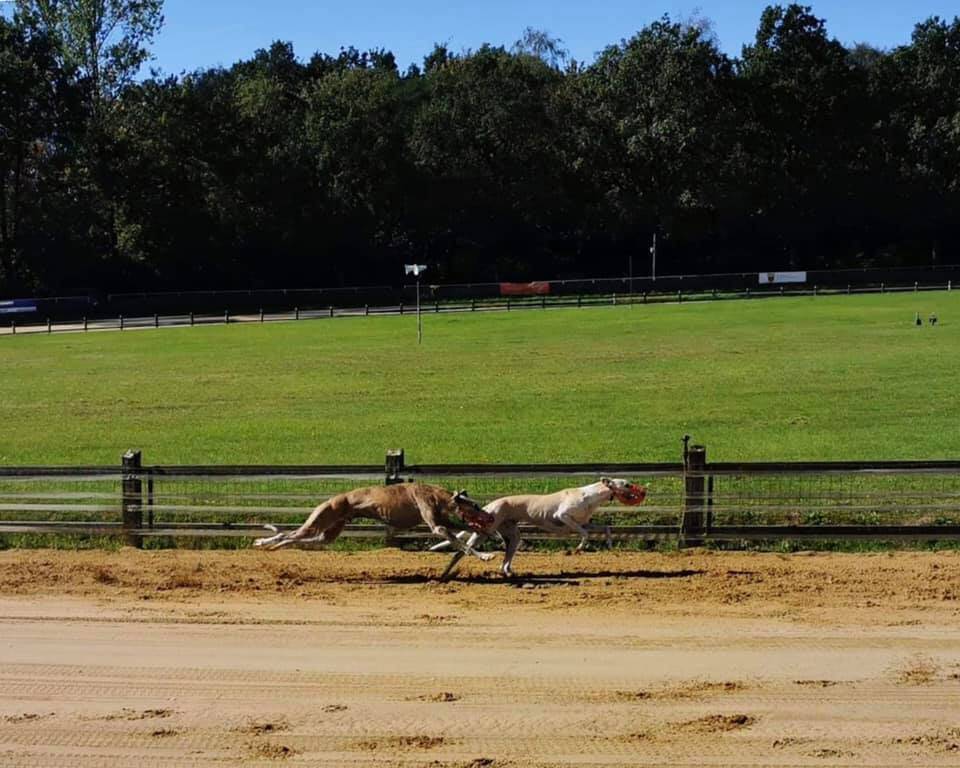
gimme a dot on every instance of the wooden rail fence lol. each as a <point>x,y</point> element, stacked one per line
<point>692,501</point>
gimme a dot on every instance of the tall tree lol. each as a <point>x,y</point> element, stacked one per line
<point>651,131</point>
<point>537,42</point>
<point>806,122</point>
<point>35,104</point>
<point>924,130</point>
<point>485,139</point>
<point>105,41</point>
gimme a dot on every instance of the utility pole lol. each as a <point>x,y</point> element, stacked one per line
<point>653,254</point>
<point>416,270</point>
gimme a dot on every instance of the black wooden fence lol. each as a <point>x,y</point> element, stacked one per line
<point>444,299</point>
<point>692,501</point>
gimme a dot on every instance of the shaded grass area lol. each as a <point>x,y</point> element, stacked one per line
<point>779,379</point>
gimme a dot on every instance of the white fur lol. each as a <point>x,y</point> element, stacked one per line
<point>568,510</point>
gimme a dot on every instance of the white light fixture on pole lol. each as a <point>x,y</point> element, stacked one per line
<point>416,270</point>
<point>653,253</point>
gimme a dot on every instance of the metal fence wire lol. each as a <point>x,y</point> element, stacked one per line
<point>690,501</point>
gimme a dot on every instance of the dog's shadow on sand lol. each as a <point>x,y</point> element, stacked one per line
<point>526,581</point>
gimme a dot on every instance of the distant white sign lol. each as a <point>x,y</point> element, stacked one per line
<point>769,278</point>
<point>16,307</point>
<point>415,269</point>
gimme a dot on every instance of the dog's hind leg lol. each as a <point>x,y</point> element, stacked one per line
<point>327,517</point>
<point>270,541</point>
<point>330,535</point>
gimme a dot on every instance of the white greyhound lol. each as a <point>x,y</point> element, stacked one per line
<point>567,510</point>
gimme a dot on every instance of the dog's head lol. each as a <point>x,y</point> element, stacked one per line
<point>472,513</point>
<point>624,491</point>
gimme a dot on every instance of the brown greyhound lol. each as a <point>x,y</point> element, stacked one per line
<point>401,506</point>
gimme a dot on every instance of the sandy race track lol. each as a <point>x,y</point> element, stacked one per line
<point>612,659</point>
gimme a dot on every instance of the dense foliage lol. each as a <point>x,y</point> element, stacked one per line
<point>491,164</point>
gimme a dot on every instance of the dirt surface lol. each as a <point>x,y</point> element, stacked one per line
<point>316,658</point>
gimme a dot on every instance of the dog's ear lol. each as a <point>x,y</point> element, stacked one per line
<point>605,480</point>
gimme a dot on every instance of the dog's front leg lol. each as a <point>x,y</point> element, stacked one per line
<point>446,544</point>
<point>476,538</point>
<point>452,566</point>
<point>574,526</point>
<point>460,546</point>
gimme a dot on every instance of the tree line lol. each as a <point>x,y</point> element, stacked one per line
<point>501,163</point>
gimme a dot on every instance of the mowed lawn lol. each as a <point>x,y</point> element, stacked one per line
<point>810,378</point>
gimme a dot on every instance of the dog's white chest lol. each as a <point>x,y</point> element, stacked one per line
<point>583,508</point>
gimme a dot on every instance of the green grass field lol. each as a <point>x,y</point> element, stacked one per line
<point>794,378</point>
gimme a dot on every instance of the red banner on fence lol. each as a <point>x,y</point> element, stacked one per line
<point>538,288</point>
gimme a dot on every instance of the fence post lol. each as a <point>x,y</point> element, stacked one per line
<point>848,289</point>
<point>694,482</point>
<point>579,301</point>
<point>916,287</point>
<point>614,299</point>
<point>436,307</point>
<point>226,316</point>
<point>393,467</point>
<point>261,314</point>
<point>131,503</point>
<point>949,285</point>
<point>814,290</point>
<point>156,321</point>
<point>543,302</point>
<point>680,296</point>
<point>331,311</point>
<point>508,304</point>
<point>50,326</point>
<point>473,305</point>
<point>191,319</point>
<point>296,313</point>
<point>401,307</point>
<point>366,310</point>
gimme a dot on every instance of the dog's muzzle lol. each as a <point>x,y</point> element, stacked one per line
<point>633,495</point>
<point>477,519</point>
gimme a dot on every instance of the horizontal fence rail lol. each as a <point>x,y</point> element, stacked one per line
<point>445,300</point>
<point>692,501</point>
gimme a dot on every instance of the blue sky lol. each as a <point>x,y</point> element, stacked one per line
<point>204,33</point>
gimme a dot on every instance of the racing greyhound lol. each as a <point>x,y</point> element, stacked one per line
<point>401,506</point>
<point>568,510</point>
